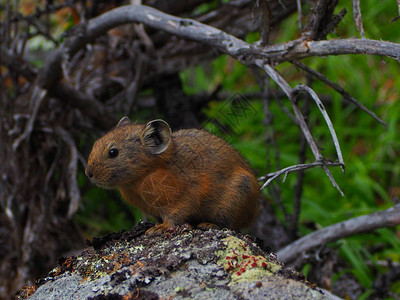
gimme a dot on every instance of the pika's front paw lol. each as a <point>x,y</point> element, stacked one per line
<point>160,228</point>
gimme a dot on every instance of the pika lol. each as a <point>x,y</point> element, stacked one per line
<point>189,176</point>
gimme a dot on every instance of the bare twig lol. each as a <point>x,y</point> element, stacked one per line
<point>300,120</point>
<point>299,14</point>
<point>295,168</point>
<point>358,18</point>
<point>398,10</point>
<point>339,89</point>
<point>366,223</point>
<point>320,20</point>
<point>266,23</point>
<point>37,97</point>
<point>73,189</point>
<point>302,48</point>
<point>133,88</point>
<point>328,121</point>
<point>299,117</point>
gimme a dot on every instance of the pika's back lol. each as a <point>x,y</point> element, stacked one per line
<point>201,150</point>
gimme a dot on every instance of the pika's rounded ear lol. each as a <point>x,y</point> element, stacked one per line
<point>124,121</point>
<point>157,136</point>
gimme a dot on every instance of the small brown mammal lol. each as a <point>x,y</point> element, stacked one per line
<point>189,176</point>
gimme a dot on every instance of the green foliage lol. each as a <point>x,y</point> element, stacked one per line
<point>355,252</point>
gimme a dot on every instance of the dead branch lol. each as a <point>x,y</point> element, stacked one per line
<point>296,168</point>
<point>343,46</point>
<point>299,14</point>
<point>37,97</point>
<point>266,22</point>
<point>398,10</point>
<point>340,90</point>
<point>291,93</point>
<point>362,224</point>
<point>328,121</point>
<point>73,189</point>
<point>193,30</point>
<point>320,19</point>
<point>358,18</point>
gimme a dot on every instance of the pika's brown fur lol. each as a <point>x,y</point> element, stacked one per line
<point>189,176</point>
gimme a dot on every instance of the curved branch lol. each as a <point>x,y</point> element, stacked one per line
<point>321,107</point>
<point>339,89</point>
<point>196,31</point>
<point>366,223</point>
<point>73,189</point>
<point>284,85</point>
<point>184,28</point>
<point>37,97</point>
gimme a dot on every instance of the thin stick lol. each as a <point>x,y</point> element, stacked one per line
<point>358,18</point>
<point>295,168</point>
<point>366,223</point>
<point>328,121</point>
<point>339,89</point>
<point>299,116</point>
<point>37,97</point>
<point>299,14</point>
<point>73,189</point>
<point>398,9</point>
<point>301,121</point>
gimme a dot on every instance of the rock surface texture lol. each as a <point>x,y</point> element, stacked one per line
<point>184,263</point>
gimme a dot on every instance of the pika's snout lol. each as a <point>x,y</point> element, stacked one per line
<point>89,171</point>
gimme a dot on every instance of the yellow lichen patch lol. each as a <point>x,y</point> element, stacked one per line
<point>242,264</point>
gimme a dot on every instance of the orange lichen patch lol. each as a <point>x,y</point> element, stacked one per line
<point>140,264</point>
<point>27,290</point>
<point>66,265</point>
<point>83,280</point>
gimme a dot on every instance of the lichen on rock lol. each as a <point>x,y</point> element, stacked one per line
<point>243,264</point>
<point>181,263</point>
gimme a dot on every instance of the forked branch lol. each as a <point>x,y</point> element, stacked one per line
<point>292,95</point>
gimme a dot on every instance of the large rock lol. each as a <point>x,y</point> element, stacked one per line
<point>183,263</point>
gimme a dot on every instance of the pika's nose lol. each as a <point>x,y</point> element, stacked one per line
<point>89,171</point>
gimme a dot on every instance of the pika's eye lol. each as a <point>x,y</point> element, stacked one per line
<point>113,153</point>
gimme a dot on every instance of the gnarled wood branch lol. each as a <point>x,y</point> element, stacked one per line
<point>367,223</point>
